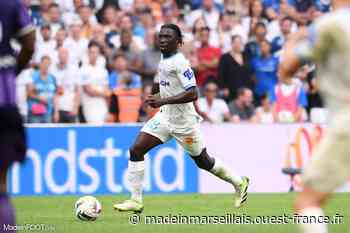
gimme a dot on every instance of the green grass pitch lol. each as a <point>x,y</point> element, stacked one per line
<point>58,211</point>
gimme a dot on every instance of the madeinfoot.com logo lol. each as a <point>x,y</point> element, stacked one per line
<point>234,219</point>
<point>28,227</point>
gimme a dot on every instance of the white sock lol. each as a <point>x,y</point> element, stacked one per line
<point>313,227</point>
<point>225,174</point>
<point>136,172</point>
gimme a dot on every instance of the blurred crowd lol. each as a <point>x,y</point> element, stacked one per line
<point>96,60</point>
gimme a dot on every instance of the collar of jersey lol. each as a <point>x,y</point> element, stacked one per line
<point>169,56</point>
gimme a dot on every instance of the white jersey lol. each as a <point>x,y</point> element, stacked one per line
<point>174,77</point>
<point>329,40</point>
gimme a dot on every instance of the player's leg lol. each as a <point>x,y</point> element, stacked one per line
<point>309,204</point>
<point>151,135</point>
<point>136,166</point>
<point>328,169</point>
<point>218,168</point>
<point>12,148</point>
<point>192,142</point>
<point>7,215</point>
<point>3,183</point>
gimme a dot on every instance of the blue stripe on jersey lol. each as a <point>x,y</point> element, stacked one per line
<point>189,86</point>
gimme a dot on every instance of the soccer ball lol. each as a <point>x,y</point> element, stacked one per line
<point>87,208</point>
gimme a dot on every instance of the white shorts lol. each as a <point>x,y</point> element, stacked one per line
<point>329,167</point>
<point>190,138</point>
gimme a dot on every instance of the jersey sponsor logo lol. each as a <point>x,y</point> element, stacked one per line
<point>189,74</point>
<point>164,83</point>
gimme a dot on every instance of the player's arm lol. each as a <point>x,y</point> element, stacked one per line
<point>291,57</point>
<point>27,42</point>
<point>25,35</point>
<point>189,95</point>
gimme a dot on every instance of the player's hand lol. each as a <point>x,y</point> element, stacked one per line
<point>154,101</point>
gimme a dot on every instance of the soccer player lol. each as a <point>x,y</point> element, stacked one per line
<point>174,92</point>
<point>14,23</point>
<point>327,42</point>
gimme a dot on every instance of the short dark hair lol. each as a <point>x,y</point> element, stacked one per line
<point>94,44</point>
<point>287,18</point>
<point>176,29</point>
<point>84,6</point>
<point>45,57</point>
<point>264,96</point>
<point>241,91</point>
<point>235,36</point>
<point>266,41</point>
<point>119,55</point>
<point>54,5</point>
<point>260,24</point>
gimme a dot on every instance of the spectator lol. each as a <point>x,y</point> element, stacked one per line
<point>208,12</point>
<point>44,46</point>
<point>147,64</point>
<point>129,47</point>
<point>242,108</point>
<point>252,48</point>
<point>60,38</point>
<point>304,11</point>
<point>67,78</point>
<point>55,18</point>
<point>75,42</point>
<point>99,37</point>
<point>212,109</point>
<point>256,14</point>
<point>42,95</point>
<point>126,25</point>
<point>146,22</point>
<point>85,13</point>
<point>208,59</point>
<point>274,8</point>
<point>120,65</point>
<point>94,80</point>
<point>109,19</point>
<point>230,25</point>
<point>289,101</point>
<point>286,29</point>
<point>322,5</point>
<point>71,13</point>
<point>234,70</point>
<point>265,70</point>
<point>168,14</point>
<point>315,107</point>
<point>264,114</point>
<point>280,28</point>
<point>126,100</point>
<point>41,15</point>
<point>22,81</point>
<point>199,24</point>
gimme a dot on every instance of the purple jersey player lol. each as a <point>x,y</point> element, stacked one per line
<point>15,23</point>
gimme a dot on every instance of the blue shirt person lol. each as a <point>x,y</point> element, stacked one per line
<point>121,64</point>
<point>265,70</point>
<point>41,93</point>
